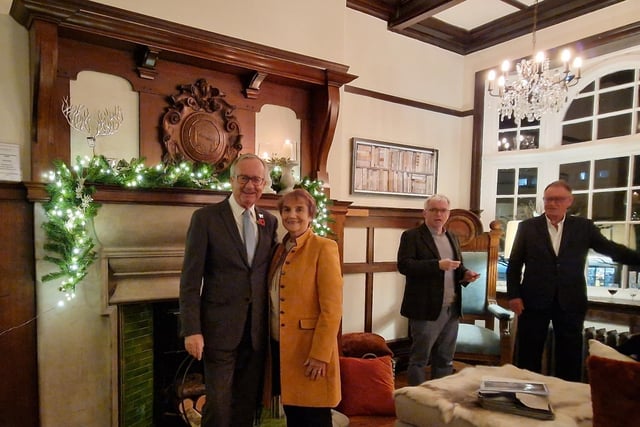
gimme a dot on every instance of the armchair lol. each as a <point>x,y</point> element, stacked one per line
<point>478,340</point>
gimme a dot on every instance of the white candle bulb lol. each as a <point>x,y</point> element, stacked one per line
<point>287,149</point>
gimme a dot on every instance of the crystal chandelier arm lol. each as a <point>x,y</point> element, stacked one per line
<point>536,89</point>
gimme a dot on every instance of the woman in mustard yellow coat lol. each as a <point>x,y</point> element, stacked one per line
<point>305,312</point>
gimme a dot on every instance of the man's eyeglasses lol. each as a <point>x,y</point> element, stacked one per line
<point>436,210</point>
<point>255,180</point>
<point>555,199</point>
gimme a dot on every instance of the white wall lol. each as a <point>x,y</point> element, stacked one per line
<point>391,64</point>
<point>309,27</point>
<point>15,103</point>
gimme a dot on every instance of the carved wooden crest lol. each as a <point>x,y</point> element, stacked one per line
<point>200,126</point>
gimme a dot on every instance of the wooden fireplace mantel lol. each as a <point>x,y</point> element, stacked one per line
<point>184,197</point>
<point>69,36</point>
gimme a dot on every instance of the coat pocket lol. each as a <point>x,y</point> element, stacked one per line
<point>308,323</point>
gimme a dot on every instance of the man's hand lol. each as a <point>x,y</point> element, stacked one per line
<point>194,344</point>
<point>447,264</point>
<point>516,305</point>
<point>470,276</point>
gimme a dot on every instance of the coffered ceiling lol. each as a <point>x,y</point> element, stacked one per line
<point>467,26</point>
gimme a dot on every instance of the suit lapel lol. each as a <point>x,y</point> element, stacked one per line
<point>425,234</point>
<point>232,228</point>
<point>542,229</point>
<point>567,229</point>
<point>264,237</point>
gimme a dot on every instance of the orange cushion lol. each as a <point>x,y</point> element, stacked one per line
<point>367,386</point>
<point>357,344</point>
<point>615,387</point>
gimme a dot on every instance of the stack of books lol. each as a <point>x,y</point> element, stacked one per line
<point>526,398</point>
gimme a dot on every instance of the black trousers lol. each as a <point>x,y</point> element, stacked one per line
<point>533,327</point>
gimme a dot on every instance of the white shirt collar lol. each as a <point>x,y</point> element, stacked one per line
<point>238,210</point>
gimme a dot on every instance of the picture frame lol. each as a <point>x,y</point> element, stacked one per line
<point>395,169</point>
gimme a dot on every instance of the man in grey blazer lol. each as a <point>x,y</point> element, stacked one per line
<point>223,295</point>
<point>429,256</point>
<point>553,248</point>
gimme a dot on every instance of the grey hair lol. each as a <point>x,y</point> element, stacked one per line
<point>248,156</point>
<point>560,183</point>
<point>436,198</point>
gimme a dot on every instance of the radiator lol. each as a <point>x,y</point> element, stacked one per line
<point>612,338</point>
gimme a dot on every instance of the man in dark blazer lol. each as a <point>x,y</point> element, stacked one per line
<point>223,296</point>
<point>430,258</point>
<point>553,248</point>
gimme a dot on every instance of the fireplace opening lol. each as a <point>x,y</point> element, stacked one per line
<point>177,375</point>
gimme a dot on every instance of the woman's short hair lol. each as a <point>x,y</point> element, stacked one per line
<point>302,194</point>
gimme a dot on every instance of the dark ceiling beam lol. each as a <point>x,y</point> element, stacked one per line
<point>446,36</point>
<point>550,12</point>
<point>376,8</point>
<point>440,34</point>
<point>413,12</point>
<point>515,3</point>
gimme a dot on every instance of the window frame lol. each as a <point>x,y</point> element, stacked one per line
<point>551,153</point>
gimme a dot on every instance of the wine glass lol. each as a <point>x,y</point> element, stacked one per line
<point>612,291</point>
<point>633,289</point>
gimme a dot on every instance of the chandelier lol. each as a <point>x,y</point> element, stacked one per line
<point>536,89</point>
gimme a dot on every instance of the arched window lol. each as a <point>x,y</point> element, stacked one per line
<point>593,144</point>
<point>606,108</point>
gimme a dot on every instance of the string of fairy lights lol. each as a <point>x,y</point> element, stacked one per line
<point>71,208</point>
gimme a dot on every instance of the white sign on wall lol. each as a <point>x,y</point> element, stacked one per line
<point>10,162</point>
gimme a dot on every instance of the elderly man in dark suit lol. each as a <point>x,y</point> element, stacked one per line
<point>223,295</point>
<point>429,256</point>
<point>553,248</point>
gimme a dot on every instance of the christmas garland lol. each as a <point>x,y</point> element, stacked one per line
<point>71,207</point>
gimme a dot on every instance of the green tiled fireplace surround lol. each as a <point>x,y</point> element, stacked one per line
<point>136,365</point>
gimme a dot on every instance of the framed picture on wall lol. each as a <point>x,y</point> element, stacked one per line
<point>386,168</point>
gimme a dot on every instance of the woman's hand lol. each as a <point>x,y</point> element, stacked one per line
<point>315,368</point>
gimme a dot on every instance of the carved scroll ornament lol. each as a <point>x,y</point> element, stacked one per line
<point>200,126</point>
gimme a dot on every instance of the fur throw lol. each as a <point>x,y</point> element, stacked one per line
<point>455,397</point>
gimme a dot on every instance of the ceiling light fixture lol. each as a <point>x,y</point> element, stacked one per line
<point>536,90</point>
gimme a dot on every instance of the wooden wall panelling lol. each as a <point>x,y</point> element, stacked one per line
<point>43,63</point>
<point>18,345</point>
<point>59,28</point>
<point>372,219</point>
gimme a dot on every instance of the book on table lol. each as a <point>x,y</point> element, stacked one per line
<point>519,397</point>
